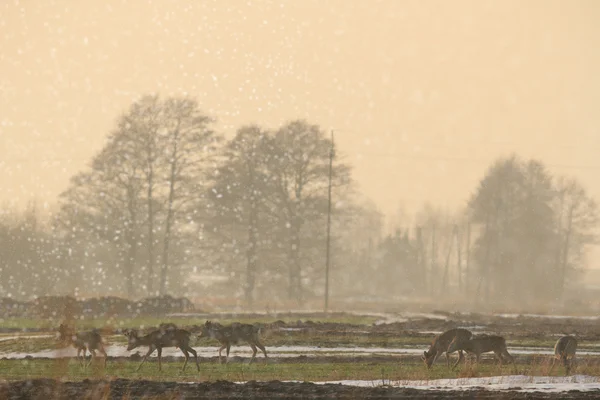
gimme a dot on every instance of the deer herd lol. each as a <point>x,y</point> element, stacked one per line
<point>169,335</point>
<point>459,340</point>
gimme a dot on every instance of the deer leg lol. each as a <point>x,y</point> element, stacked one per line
<point>83,358</point>
<point>437,354</point>
<point>92,356</point>
<point>262,348</point>
<point>159,350</point>
<point>227,358</point>
<point>150,350</point>
<point>187,356</point>
<point>510,358</point>
<point>447,360</point>
<point>461,357</point>
<point>253,353</point>
<point>103,351</point>
<point>552,366</point>
<point>565,362</point>
<point>195,356</point>
<point>499,357</point>
<point>221,349</point>
<point>78,353</point>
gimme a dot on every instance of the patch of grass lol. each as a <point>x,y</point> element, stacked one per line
<point>141,322</point>
<point>274,338</point>
<point>69,369</point>
<point>28,345</point>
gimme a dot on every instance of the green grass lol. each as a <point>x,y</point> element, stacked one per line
<point>69,369</point>
<point>331,339</point>
<point>140,322</point>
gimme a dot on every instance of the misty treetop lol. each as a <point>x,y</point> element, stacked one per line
<point>168,202</point>
<point>167,196</point>
<point>534,230</point>
<point>270,198</point>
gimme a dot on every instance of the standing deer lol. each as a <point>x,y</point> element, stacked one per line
<point>233,334</point>
<point>483,344</point>
<point>91,341</point>
<point>166,336</point>
<point>564,349</point>
<point>440,345</point>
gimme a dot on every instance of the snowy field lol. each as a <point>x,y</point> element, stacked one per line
<point>116,350</point>
<point>496,383</point>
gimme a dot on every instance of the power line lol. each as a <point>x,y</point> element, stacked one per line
<point>469,159</point>
<point>4,160</point>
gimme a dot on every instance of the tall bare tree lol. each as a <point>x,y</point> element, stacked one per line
<point>300,167</point>
<point>577,224</point>
<point>526,228</point>
<point>188,147</point>
<point>141,128</point>
<point>151,168</point>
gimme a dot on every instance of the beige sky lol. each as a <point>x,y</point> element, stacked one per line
<point>423,95</point>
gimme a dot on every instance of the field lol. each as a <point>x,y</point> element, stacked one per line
<point>310,356</point>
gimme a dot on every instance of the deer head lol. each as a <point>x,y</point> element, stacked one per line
<point>428,358</point>
<point>205,332</point>
<point>64,334</point>
<point>132,339</point>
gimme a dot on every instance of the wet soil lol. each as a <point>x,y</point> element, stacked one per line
<point>44,389</point>
<point>515,327</point>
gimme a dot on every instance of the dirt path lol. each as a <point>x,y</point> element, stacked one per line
<point>44,389</point>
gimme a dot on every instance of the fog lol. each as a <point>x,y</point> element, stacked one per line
<point>183,149</point>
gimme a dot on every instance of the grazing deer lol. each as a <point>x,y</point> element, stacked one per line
<point>440,345</point>
<point>91,341</point>
<point>233,334</point>
<point>165,336</point>
<point>564,349</point>
<point>483,344</point>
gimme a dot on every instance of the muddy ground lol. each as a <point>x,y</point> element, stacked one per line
<point>45,389</point>
<point>518,327</point>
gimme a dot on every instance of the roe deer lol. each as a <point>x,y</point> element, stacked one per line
<point>440,345</point>
<point>233,334</point>
<point>483,344</point>
<point>91,341</point>
<point>166,336</point>
<point>564,349</point>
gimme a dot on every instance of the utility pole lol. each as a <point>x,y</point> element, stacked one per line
<point>327,257</point>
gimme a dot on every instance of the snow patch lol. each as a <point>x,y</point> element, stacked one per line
<point>117,350</point>
<point>584,317</point>
<point>520,383</point>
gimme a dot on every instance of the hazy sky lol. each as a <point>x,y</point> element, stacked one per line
<point>423,95</point>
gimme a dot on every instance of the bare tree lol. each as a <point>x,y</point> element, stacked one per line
<point>239,193</point>
<point>188,146</point>
<point>300,166</point>
<point>141,127</point>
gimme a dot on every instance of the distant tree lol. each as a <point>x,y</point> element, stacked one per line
<point>357,231</point>
<point>188,148</point>
<point>577,223</point>
<point>239,196</point>
<point>299,168</point>
<point>27,266</point>
<point>494,207</point>
<point>139,132</point>
<point>105,204</point>
<point>145,177</point>
<point>434,233</point>
<point>398,272</point>
<point>525,219</point>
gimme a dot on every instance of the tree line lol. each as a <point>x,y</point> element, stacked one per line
<point>168,198</point>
